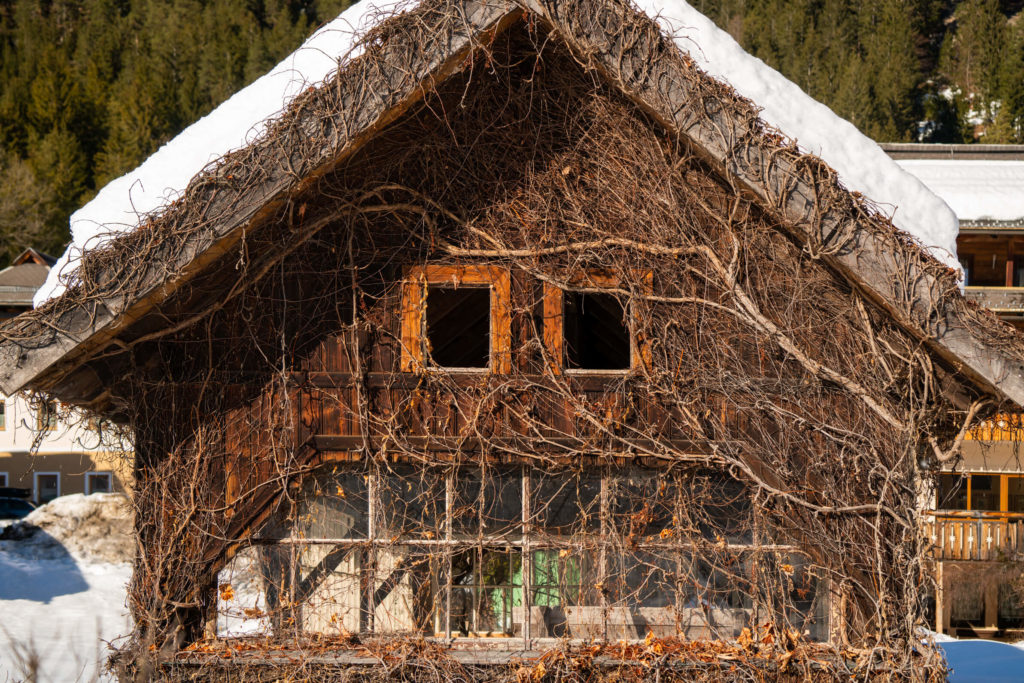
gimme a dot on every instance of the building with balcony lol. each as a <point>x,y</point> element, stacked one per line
<point>976,517</point>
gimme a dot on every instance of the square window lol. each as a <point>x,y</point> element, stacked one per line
<point>459,326</point>
<point>98,482</point>
<point>456,317</point>
<point>596,333</point>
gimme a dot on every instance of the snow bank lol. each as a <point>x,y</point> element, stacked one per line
<point>861,164</point>
<point>65,613</point>
<point>976,190</point>
<point>983,661</point>
<point>95,528</point>
<point>63,576</point>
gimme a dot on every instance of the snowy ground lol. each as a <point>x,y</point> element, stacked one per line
<point>62,589</point>
<point>983,661</point>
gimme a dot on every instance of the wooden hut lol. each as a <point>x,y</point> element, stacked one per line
<point>523,348</point>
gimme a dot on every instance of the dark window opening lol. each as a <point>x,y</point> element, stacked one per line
<point>459,326</point>
<point>985,492</point>
<point>596,335</point>
<point>952,492</point>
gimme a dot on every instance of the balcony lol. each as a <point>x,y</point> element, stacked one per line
<point>975,536</point>
<point>998,299</point>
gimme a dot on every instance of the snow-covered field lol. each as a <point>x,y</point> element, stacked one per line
<point>62,589</point>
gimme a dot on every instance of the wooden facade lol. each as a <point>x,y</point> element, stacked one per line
<point>534,349</point>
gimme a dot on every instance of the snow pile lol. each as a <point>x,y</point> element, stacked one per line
<point>976,190</point>
<point>861,164</point>
<point>983,661</point>
<point>64,570</point>
<point>95,528</point>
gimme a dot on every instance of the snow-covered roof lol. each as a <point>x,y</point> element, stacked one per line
<point>977,190</point>
<point>861,164</point>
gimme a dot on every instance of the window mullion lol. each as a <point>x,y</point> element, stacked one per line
<point>526,560</point>
<point>602,569</point>
<point>449,486</point>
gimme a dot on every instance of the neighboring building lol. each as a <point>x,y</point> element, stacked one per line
<point>20,280</point>
<point>520,337</point>
<point>979,521</point>
<point>44,448</point>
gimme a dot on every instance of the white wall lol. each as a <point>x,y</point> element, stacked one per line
<point>70,436</point>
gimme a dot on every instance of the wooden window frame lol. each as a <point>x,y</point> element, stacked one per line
<point>414,304</point>
<point>553,313</point>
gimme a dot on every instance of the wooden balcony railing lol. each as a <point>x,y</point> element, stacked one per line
<point>998,299</point>
<point>978,536</point>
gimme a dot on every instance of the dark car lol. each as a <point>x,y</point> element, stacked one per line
<point>14,503</point>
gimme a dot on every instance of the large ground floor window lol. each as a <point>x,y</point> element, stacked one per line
<point>486,552</point>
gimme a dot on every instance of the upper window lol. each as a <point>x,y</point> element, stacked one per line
<point>3,413</point>
<point>456,317</point>
<point>589,328</point>
<point>596,332</point>
<point>981,492</point>
<point>46,417</point>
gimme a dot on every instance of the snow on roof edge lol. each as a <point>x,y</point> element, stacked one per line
<point>121,204</point>
<point>861,164</point>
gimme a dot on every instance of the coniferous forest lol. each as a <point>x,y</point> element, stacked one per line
<point>90,88</point>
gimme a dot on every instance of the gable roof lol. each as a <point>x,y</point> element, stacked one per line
<point>402,58</point>
<point>862,166</point>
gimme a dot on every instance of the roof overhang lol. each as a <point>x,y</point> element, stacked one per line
<point>920,294</point>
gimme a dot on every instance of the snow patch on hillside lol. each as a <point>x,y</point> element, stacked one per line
<point>860,162</point>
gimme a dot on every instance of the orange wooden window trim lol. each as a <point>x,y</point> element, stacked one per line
<point>554,321</point>
<point>414,305</point>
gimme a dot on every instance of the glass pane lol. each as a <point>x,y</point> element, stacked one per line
<point>714,507</point>
<point>1015,494</point>
<point>642,505</point>
<point>99,483</point>
<point>952,492</point>
<point>412,503</point>
<point>335,505</point>
<point>486,592</point>
<point>985,492</point>
<point>327,588</point>
<point>488,501</point>
<point>566,503</point>
<point>566,594</point>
